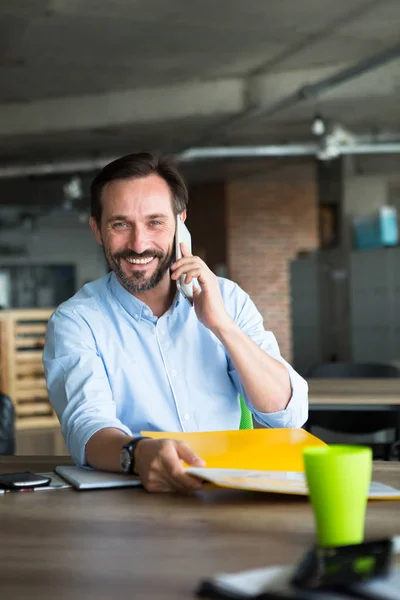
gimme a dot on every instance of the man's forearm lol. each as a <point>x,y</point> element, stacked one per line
<point>265,379</point>
<point>103,450</point>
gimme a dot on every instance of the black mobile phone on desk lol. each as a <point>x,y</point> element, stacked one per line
<point>24,480</point>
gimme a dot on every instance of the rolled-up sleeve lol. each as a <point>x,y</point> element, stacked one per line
<point>296,413</point>
<point>77,382</point>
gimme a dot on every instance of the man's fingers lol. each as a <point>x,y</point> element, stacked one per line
<point>184,483</point>
<point>171,461</point>
<point>189,276</point>
<point>186,454</point>
<point>158,486</point>
<point>185,250</point>
<point>160,466</point>
<point>196,291</point>
<point>190,266</point>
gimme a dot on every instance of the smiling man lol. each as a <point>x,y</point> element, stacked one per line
<point>127,353</point>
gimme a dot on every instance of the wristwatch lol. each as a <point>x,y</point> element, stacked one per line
<point>127,456</point>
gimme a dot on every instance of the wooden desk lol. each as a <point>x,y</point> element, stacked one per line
<point>123,544</point>
<point>354,394</point>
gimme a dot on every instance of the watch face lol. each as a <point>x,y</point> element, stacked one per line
<point>125,460</point>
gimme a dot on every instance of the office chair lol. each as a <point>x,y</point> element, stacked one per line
<point>7,434</point>
<point>353,422</point>
<point>246,420</point>
<point>342,370</point>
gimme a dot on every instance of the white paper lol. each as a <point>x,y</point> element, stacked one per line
<point>252,583</point>
<point>282,482</point>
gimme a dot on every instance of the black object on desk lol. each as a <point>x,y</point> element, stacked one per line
<point>344,565</point>
<point>323,574</point>
<point>25,480</point>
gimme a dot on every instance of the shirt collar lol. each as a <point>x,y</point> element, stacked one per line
<point>135,307</point>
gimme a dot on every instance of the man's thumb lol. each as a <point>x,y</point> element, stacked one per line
<point>186,454</point>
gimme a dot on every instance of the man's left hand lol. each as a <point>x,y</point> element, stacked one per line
<point>208,303</point>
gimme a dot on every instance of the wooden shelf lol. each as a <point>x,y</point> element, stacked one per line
<point>37,422</point>
<point>22,336</point>
<point>30,383</point>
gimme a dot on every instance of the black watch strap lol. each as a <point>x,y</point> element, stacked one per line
<point>131,446</point>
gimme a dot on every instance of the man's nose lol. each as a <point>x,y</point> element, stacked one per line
<point>138,240</point>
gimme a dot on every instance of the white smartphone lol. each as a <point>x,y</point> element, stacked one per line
<point>182,235</point>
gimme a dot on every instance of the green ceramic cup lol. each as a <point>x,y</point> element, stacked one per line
<point>338,479</point>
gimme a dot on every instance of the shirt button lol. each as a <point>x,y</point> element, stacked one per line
<point>173,372</point>
<point>136,316</point>
<point>186,417</point>
<point>146,312</point>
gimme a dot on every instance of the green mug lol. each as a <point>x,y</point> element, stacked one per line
<point>338,479</point>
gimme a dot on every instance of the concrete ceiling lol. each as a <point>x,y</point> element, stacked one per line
<point>99,78</point>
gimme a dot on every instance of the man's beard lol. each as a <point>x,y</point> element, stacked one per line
<point>137,281</point>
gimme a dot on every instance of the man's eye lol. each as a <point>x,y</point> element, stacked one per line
<point>155,223</point>
<point>120,225</point>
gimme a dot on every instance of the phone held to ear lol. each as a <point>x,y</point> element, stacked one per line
<point>20,481</point>
<point>182,235</point>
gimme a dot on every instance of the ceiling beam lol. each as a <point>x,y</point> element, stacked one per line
<point>195,99</point>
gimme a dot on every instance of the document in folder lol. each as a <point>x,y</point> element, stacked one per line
<point>258,449</point>
<point>265,460</point>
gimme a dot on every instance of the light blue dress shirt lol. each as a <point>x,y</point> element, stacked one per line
<point>109,362</point>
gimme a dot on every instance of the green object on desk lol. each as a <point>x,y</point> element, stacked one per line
<point>338,479</point>
<point>246,420</point>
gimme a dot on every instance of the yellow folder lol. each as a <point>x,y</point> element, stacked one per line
<point>258,449</point>
<point>267,460</point>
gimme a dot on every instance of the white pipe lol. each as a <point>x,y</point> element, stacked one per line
<point>247,151</point>
<point>193,154</point>
<point>379,148</point>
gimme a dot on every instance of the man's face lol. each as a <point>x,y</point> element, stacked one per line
<point>137,230</point>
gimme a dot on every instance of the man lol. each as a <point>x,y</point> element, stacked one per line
<point>128,354</point>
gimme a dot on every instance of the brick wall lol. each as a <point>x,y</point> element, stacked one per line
<point>207,223</point>
<point>267,224</point>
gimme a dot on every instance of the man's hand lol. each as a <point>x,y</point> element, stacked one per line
<point>208,303</point>
<point>159,466</point>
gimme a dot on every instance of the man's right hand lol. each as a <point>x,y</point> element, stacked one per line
<point>159,464</point>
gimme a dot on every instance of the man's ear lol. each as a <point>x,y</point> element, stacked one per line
<point>96,230</point>
<point>183,215</point>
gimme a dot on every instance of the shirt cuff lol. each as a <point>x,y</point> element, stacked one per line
<point>82,434</point>
<point>296,412</point>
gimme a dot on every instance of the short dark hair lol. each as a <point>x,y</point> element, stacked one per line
<point>139,164</point>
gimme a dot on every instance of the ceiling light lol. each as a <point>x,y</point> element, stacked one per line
<point>73,189</point>
<point>318,126</point>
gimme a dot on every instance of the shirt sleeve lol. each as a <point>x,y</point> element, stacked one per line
<point>251,322</point>
<point>77,382</point>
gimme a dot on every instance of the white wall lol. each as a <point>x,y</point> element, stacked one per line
<point>59,239</point>
<point>370,182</point>
<point>365,194</point>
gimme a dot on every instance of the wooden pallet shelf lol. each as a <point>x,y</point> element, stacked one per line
<point>22,336</point>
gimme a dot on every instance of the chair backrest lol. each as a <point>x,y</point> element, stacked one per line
<point>7,434</point>
<point>246,420</point>
<point>352,370</point>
